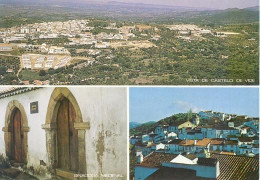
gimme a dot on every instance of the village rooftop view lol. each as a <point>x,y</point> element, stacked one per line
<point>194,145</point>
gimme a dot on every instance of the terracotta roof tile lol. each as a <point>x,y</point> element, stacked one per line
<point>233,142</point>
<point>156,159</point>
<point>217,141</point>
<point>207,161</point>
<point>231,167</point>
<point>227,153</point>
<point>187,143</point>
<point>15,91</point>
<point>175,141</point>
<point>237,167</point>
<point>203,142</point>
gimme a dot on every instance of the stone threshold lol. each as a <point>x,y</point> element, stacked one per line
<point>65,174</point>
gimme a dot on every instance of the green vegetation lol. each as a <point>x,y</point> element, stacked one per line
<point>12,63</point>
<point>173,60</point>
<point>42,73</point>
<point>53,41</point>
<point>29,75</point>
<point>133,160</point>
<point>189,115</point>
<point>98,30</point>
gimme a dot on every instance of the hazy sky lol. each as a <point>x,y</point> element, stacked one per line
<point>153,104</point>
<point>218,4</point>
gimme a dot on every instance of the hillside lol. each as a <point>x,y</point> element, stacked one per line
<point>150,126</point>
<point>16,13</point>
<point>255,8</point>
<point>228,16</point>
<point>134,125</point>
<point>233,16</point>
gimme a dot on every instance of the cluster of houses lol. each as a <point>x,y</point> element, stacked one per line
<point>44,30</point>
<point>188,32</point>
<point>188,28</point>
<point>78,32</point>
<point>223,137</point>
<point>38,61</point>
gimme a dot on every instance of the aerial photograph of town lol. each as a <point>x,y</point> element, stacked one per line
<point>102,42</point>
<point>194,133</point>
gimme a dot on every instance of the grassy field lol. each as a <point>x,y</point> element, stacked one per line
<point>30,75</point>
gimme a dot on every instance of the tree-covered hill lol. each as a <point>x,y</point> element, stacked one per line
<point>150,126</point>
<point>228,16</point>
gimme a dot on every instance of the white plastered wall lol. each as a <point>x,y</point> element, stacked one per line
<point>105,108</point>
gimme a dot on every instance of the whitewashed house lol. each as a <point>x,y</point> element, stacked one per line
<point>201,145</point>
<point>216,144</point>
<point>231,146</point>
<point>173,146</point>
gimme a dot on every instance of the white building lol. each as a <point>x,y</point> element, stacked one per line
<point>39,62</point>
<point>62,62</point>
<point>6,47</point>
<point>72,130</point>
<point>26,59</point>
<point>49,62</point>
<point>102,45</point>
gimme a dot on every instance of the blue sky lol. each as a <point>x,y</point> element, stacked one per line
<point>153,104</point>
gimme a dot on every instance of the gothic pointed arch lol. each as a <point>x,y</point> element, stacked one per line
<point>51,129</point>
<point>13,107</point>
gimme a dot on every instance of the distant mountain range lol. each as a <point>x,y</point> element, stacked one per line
<point>95,4</point>
<point>86,4</point>
<point>255,8</point>
<point>136,12</point>
<point>133,125</point>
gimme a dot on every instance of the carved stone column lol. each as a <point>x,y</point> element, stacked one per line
<point>82,127</point>
<point>51,131</point>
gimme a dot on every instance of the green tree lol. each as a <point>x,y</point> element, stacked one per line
<point>42,73</point>
<point>189,115</point>
<point>133,160</point>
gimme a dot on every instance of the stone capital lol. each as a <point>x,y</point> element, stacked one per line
<point>49,126</point>
<point>82,126</point>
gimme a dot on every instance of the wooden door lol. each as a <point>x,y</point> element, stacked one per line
<point>17,137</point>
<point>67,137</point>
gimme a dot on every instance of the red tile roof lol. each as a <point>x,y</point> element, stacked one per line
<point>203,142</point>
<point>227,153</point>
<point>187,143</point>
<point>231,167</point>
<point>237,167</point>
<point>156,159</point>
<point>175,141</point>
<point>15,90</point>
<point>231,142</point>
<point>217,141</point>
<point>166,173</point>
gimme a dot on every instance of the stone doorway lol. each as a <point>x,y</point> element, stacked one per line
<point>17,137</point>
<point>67,137</point>
<point>15,133</point>
<point>65,134</point>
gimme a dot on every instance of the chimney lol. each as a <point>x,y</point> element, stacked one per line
<point>140,158</point>
<point>208,168</point>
